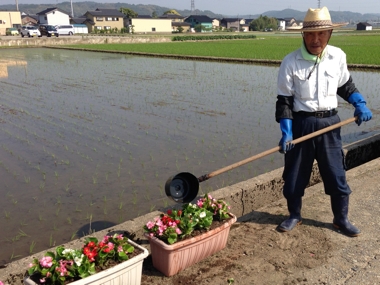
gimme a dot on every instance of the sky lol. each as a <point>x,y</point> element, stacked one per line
<point>237,7</point>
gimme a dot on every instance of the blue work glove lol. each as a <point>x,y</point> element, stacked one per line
<point>361,110</point>
<point>287,135</point>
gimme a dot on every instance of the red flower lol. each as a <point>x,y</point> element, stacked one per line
<point>91,244</point>
<point>169,212</point>
<point>86,250</point>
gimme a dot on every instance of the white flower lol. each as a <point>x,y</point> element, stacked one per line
<point>202,215</point>
<point>67,251</point>
<point>78,260</point>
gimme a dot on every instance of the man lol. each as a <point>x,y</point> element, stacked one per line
<point>309,81</point>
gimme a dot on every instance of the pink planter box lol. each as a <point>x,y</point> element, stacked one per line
<point>171,259</point>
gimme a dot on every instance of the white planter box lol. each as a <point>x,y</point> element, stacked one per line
<point>128,272</point>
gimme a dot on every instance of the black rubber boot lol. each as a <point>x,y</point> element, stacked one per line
<point>339,206</point>
<point>294,207</point>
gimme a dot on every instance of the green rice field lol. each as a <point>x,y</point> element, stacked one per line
<point>360,49</point>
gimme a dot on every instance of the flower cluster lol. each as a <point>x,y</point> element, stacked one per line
<point>66,265</point>
<point>178,224</point>
<point>115,248</point>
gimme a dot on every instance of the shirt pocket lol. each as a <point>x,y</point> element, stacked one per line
<point>302,87</point>
<point>332,79</point>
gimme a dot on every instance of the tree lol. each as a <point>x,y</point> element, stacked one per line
<point>128,12</point>
<point>262,23</point>
<point>180,29</point>
<point>154,14</point>
<point>172,12</point>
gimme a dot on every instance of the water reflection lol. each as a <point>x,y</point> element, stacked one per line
<point>6,63</point>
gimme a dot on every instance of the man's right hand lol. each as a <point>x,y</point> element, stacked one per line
<point>287,135</point>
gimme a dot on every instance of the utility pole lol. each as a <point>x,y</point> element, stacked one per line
<point>192,6</point>
<point>16,5</point>
<point>72,11</point>
<point>319,4</point>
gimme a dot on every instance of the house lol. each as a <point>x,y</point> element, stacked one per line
<point>289,22</point>
<point>363,26</point>
<point>281,24</point>
<point>104,19</point>
<point>201,23</point>
<point>235,24</point>
<point>177,25</point>
<point>173,17</point>
<point>146,25</point>
<point>53,16</point>
<point>9,19</point>
<point>29,20</point>
<point>215,23</point>
<point>177,22</point>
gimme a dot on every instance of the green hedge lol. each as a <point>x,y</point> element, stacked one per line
<point>212,37</point>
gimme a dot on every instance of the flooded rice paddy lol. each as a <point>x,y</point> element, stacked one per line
<point>88,140</point>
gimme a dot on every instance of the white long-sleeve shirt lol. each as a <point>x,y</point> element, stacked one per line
<point>319,92</point>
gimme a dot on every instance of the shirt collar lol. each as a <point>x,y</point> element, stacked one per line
<point>311,57</point>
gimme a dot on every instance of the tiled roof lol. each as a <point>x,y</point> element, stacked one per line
<point>49,10</point>
<point>106,12</point>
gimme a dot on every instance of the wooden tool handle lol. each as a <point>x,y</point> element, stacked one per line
<point>275,149</point>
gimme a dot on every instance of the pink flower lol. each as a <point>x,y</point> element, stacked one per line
<point>119,248</point>
<point>178,231</point>
<point>149,224</point>
<point>62,267</point>
<point>105,239</point>
<point>43,280</point>
<point>111,246</point>
<point>46,261</point>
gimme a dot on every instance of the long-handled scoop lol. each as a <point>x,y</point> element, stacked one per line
<point>183,187</point>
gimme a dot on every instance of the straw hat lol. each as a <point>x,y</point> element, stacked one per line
<point>317,20</point>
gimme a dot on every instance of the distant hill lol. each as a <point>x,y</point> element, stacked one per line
<point>81,8</point>
<point>336,16</point>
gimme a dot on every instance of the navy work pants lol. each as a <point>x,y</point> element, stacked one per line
<point>325,148</point>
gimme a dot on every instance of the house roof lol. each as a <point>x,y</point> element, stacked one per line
<point>106,12</point>
<point>365,24</point>
<point>30,16</point>
<point>78,20</point>
<point>144,16</point>
<point>51,10</point>
<point>171,16</point>
<point>231,19</point>
<point>200,18</point>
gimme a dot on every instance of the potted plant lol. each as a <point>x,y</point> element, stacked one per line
<point>114,259</point>
<point>181,238</point>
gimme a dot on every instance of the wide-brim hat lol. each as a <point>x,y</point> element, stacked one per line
<point>317,20</point>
